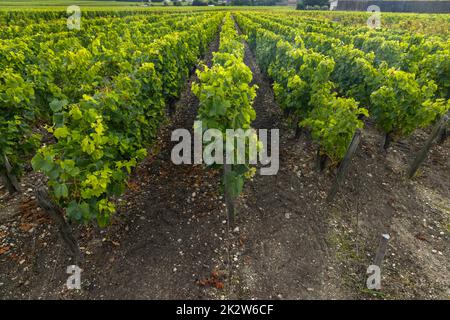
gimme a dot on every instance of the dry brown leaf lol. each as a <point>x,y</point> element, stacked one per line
<point>115,243</point>
<point>25,227</point>
<point>219,284</point>
<point>422,237</point>
<point>133,186</point>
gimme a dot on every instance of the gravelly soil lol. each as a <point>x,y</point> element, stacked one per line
<point>169,239</point>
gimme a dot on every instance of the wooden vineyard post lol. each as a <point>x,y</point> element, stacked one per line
<point>381,251</point>
<point>387,139</point>
<point>11,181</point>
<point>374,280</point>
<point>421,156</point>
<point>55,213</point>
<point>8,184</point>
<point>318,161</point>
<point>229,201</point>
<point>444,135</point>
<point>343,168</point>
<point>321,161</point>
<point>298,132</point>
<point>298,129</point>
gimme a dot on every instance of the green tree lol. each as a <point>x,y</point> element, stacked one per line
<point>302,4</point>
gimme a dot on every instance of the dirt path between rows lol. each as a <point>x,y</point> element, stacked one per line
<point>280,251</point>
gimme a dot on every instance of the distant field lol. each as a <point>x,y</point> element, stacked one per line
<point>86,4</point>
<point>49,4</point>
<point>28,3</point>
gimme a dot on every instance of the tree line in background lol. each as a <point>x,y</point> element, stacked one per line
<point>313,5</point>
<point>301,4</point>
<point>223,2</point>
<point>235,2</point>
